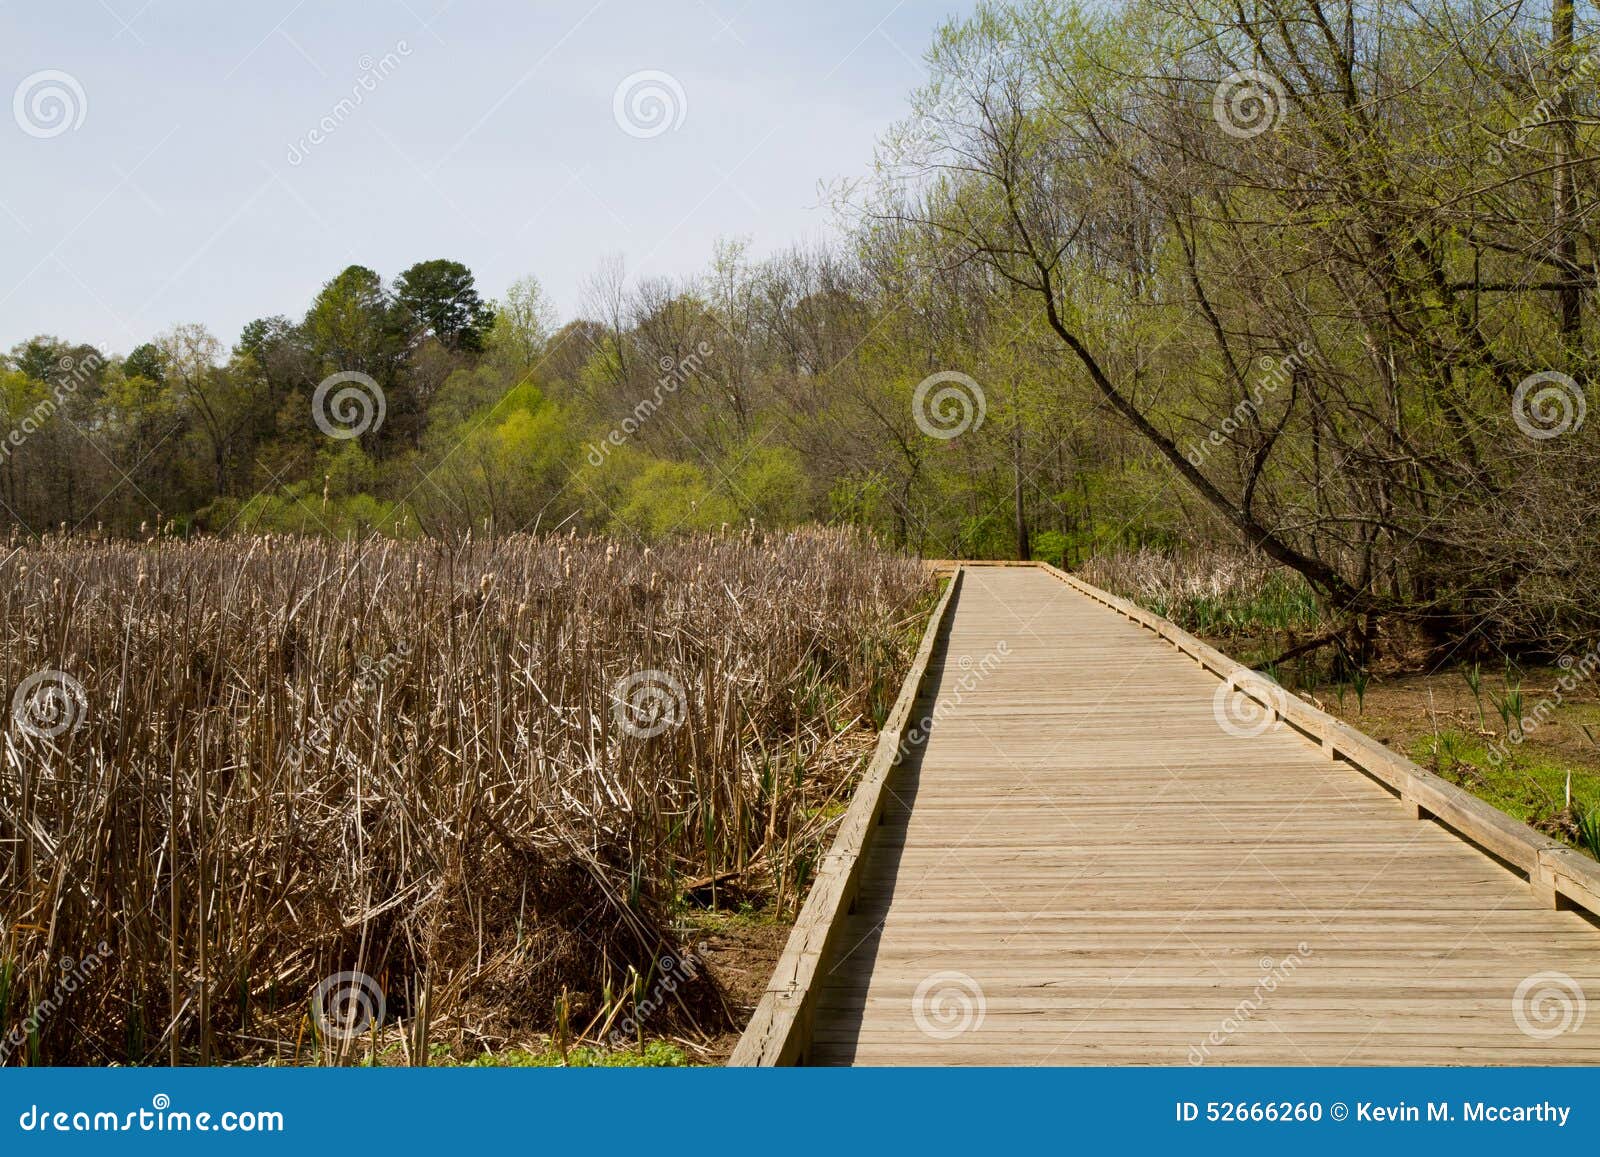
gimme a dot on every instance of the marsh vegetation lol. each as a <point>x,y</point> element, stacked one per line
<point>485,776</point>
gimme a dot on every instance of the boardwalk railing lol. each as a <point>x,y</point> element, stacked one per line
<point>1558,875</point>
<point>779,1033</point>
<point>780,1029</point>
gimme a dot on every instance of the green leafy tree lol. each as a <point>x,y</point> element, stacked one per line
<point>352,325</point>
<point>146,361</point>
<point>524,321</point>
<point>439,299</point>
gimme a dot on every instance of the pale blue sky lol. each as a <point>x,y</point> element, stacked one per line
<point>190,190</point>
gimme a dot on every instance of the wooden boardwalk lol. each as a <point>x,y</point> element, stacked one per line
<point>1086,863</point>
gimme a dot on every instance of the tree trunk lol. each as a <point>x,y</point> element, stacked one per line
<point>1563,188</point>
<point>1024,547</point>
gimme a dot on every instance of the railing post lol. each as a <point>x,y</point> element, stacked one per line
<point>1542,882</point>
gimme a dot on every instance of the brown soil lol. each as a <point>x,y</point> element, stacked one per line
<point>741,952</point>
<point>1402,709</point>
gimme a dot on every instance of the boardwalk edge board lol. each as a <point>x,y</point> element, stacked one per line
<point>779,1031</point>
<point>1559,876</point>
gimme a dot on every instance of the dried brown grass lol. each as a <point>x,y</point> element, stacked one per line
<point>1148,575</point>
<point>295,757</point>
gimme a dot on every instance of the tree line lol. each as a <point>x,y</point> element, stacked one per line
<point>777,391</point>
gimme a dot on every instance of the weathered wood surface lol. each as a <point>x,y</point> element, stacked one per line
<point>1085,867</point>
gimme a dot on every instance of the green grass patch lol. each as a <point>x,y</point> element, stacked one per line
<point>656,1055</point>
<point>698,922</point>
<point>1528,785</point>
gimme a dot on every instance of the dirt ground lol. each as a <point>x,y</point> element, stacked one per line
<point>1401,709</point>
<point>741,950</point>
